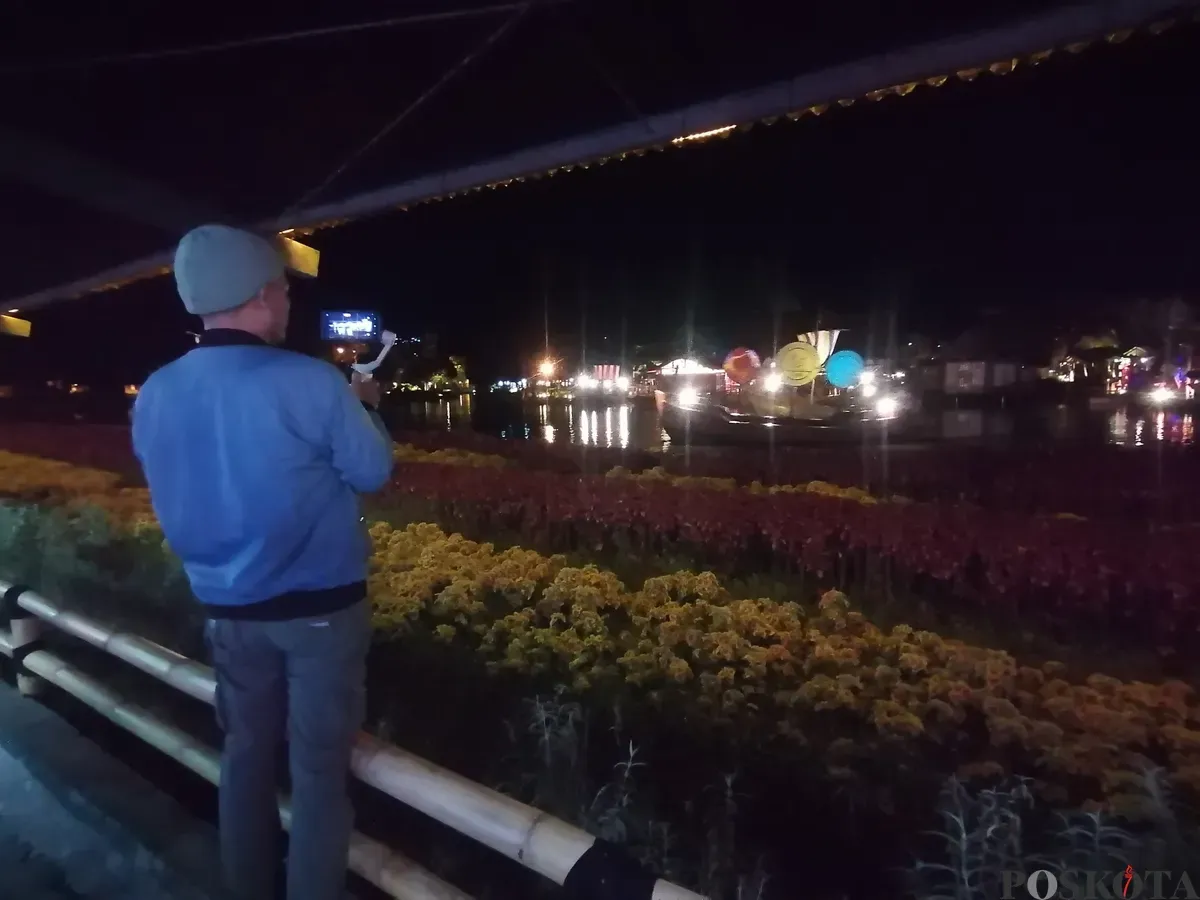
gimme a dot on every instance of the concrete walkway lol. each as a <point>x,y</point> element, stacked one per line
<point>76,823</point>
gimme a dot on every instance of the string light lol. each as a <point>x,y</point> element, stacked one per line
<point>704,135</point>
<point>1000,67</point>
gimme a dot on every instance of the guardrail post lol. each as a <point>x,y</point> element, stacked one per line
<point>26,631</point>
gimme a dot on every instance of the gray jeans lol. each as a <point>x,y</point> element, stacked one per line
<point>304,679</point>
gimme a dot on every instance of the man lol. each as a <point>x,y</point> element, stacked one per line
<point>255,458</point>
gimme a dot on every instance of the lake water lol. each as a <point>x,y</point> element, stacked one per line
<point>634,424</point>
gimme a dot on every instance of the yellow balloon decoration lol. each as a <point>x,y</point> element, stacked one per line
<point>798,363</point>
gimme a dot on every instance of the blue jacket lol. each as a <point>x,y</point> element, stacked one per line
<point>255,457</point>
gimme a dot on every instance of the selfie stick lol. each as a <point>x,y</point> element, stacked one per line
<point>365,369</point>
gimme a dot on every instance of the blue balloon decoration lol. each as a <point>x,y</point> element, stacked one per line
<point>843,368</point>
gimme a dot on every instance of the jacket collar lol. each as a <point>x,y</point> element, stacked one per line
<point>228,337</point>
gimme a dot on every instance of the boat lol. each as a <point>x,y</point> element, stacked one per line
<point>712,423</point>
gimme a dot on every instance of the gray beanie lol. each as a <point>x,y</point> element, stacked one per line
<point>218,268</point>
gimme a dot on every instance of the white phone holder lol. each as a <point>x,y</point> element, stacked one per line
<point>388,339</point>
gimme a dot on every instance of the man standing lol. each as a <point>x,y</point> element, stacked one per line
<point>255,458</point>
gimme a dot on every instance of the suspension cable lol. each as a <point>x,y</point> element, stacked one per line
<point>624,97</point>
<point>455,70</point>
<point>266,39</point>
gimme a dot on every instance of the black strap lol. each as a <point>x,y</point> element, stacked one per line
<point>19,653</point>
<point>9,610</point>
<point>607,872</point>
<point>229,337</point>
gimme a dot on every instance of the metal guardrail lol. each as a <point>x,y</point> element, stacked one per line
<point>559,851</point>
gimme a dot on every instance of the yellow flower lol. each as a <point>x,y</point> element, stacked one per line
<point>679,671</point>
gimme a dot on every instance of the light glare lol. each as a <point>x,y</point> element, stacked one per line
<point>887,407</point>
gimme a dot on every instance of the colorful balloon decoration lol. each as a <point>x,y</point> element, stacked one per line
<point>741,365</point>
<point>843,368</point>
<point>798,363</point>
<point>824,340</point>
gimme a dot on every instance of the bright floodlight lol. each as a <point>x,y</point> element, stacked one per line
<point>866,376</point>
<point>887,407</point>
<point>1161,395</point>
<point>585,381</point>
<point>623,382</point>
<point>773,382</point>
<point>689,397</point>
<point>869,390</point>
<point>546,368</point>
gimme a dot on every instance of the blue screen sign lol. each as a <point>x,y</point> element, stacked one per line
<point>349,325</point>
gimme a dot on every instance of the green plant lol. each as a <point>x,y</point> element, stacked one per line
<point>83,560</point>
<point>989,832</point>
<point>982,836</point>
<point>613,802</point>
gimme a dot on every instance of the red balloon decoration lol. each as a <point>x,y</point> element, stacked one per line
<point>741,365</point>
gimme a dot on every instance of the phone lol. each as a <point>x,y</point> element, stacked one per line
<point>351,325</point>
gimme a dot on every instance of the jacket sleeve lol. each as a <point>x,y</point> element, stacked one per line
<point>140,416</point>
<point>362,447</point>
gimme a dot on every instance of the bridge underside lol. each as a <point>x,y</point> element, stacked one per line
<point>996,50</point>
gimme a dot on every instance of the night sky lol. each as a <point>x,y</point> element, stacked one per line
<point>1051,194</point>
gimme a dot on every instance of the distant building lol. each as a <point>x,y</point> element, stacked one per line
<point>997,356</point>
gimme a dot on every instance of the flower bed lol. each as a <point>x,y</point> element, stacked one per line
<point>449,456</point>
<point>1073,577</point>
<point>825,680</point>
<point>826,677</point>
<point>1033,572</point>
<point>534,455</point>
<point>106,447</point>
<point>409,453</point>
<point>1146,484</point>
<point>788,695</point>
<point>37,480</point>
<point>1159,483</point>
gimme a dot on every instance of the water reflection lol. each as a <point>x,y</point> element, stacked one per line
<point>1137,430</point>
<point>633,424</point>
<point>624,425</point>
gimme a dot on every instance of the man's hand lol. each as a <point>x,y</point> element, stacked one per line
<point>366,389</point>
